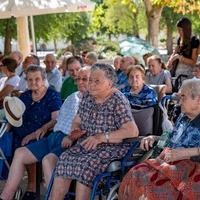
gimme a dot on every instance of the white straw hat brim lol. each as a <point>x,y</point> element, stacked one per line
<point>10,116</point>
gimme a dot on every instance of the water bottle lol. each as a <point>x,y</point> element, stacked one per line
<point>164,139</point>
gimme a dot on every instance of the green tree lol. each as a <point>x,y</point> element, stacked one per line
<point>114,17</point>
<point>168,21</point>
<point>8,30</point>
<point>69,26</point>
<point>154,9</point>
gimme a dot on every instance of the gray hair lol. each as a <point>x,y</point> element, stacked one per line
<point>108,70</point>
<point>193,86</point>
<point>92,55</point>
<point>37,68</point>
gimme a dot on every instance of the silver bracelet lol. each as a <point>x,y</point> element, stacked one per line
<point>107,136</point>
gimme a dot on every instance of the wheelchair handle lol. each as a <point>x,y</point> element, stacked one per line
<point>169,97</point>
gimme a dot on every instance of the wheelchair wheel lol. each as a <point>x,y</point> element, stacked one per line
<point>18,194</point>
<point>113,194</point>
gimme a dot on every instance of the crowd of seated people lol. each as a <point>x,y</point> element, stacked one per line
<point>95,111</point>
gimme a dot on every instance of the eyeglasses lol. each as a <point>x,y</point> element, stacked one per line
<point>82,79</point>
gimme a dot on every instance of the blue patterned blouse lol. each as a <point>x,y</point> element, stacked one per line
<point>146,97</point>
<point>186,133</point>
<point>122,79</point>
<point>36,114</point>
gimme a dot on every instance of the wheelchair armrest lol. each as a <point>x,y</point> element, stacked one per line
<point>195,159</point>
<point>135,139</point>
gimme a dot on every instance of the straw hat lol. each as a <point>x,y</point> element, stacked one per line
<point>14,109</point>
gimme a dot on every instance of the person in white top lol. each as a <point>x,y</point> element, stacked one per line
<point>9,82</point>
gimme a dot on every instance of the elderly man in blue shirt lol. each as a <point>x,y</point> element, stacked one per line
<point>54,76</point>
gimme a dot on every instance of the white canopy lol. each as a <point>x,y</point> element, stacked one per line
<point>19,8</point>
<point>23,8</point>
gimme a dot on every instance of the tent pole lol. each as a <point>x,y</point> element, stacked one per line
<point>33,34</point>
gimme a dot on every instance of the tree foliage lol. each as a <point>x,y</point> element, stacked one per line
<point>68,26</point>
<point>183,6</point>
<point>114,17</point>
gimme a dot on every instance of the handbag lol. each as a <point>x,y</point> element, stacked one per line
<point>6,144</point>
<point>174,67</point>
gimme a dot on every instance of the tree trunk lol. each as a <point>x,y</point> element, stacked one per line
<point>169,43</point>
<point>8,38</point>
<point>55,45</point>
<point>153,13</point>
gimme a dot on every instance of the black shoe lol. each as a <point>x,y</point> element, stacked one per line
<point>29,196</point>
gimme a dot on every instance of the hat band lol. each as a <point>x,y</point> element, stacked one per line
<point>10,112</point>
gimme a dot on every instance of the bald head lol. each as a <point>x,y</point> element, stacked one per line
<point>82,78</point>
<point>125,62</point>
<point>50,62</point>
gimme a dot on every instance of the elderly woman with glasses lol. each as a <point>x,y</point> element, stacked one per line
<point>105,116</point>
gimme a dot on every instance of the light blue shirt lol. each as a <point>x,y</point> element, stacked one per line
<point>67,113</point>
<point>54,78</point>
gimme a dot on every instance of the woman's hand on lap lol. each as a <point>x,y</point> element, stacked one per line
<point>28,138</point>
<point>92,142</point>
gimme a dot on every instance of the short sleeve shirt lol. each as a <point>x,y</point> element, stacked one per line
<point>13,81</point>
<point>36,113</point>
<point>68,87</point>
<point>147,96</point>
<point>159,79</point>
<point>108,116</point>
<point>67,113</point>
<point>186,133</point>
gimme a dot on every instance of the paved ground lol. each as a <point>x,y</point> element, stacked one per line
<point>23,186</point>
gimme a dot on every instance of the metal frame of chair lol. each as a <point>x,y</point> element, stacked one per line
<point>3,157</point>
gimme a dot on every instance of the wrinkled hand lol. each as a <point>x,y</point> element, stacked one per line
<point>67,142</point>
<point>28,138</point>
<point>147,142</point>
<point>41,132</point>
<point>92,142</point>
<point>175,155</point>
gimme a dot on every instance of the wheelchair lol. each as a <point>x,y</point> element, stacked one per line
<point>105,181</point>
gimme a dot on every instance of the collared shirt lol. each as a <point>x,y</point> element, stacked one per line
<point>54,78</point>
<point>67,113</point>
<point>146,97</point>
<point>22,86</point>
<point>19,70</point>
<point>186,133</point>
<point>122,79</point>
<point>68,87</point>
